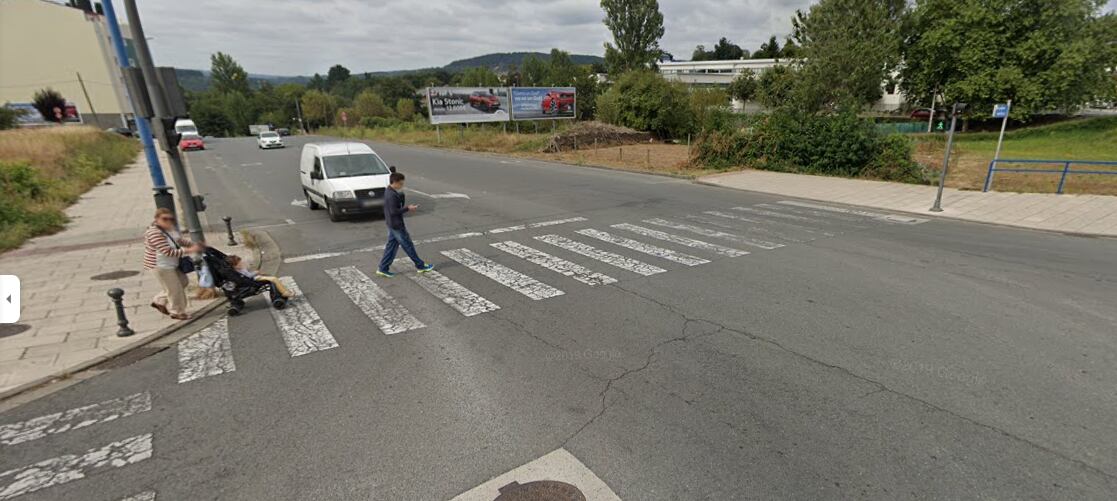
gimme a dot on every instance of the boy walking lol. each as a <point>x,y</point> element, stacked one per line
<point>394,209</point>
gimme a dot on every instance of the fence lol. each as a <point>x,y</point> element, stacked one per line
<point>901,127</point>
<point>1064,172</point>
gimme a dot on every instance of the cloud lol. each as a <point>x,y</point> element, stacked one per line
<point>301,37</point>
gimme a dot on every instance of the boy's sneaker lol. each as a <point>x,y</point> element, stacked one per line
<point>429,267</point>
<point>385,274</point>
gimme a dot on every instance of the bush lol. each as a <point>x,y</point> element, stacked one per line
<point>376,122</point>
<point>9,117</point>
<point>644,101</point>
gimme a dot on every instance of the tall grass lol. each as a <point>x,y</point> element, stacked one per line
<point>491,138</point>
<point>43,171</point>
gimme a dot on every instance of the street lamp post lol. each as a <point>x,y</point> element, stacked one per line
<point>958,109</point>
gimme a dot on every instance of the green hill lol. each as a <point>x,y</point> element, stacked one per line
<point>504,60</point>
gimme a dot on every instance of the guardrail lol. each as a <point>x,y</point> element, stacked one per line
<point>1064,172</point>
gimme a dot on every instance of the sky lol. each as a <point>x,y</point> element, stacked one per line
<point>302,37</point>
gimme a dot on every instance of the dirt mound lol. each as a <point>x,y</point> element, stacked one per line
<point>586,135</point>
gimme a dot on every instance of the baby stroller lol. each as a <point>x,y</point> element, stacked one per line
<point>236,286</point>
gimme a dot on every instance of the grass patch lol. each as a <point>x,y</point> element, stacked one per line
<point>43,171</point>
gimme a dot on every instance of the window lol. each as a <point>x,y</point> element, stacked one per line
<point>365,164</point>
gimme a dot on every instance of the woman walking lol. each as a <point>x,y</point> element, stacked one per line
<point>164,250</point>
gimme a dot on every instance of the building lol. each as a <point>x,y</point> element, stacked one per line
<point>47,44</point>
<point>722,73</point>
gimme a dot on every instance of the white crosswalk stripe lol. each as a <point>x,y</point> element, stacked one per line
<point>73,419</point>
<point>206,353</point>
<point>70,467</point>
<point>382,309</point>
<point>892,218</point>
<point>503,275</point>
<point>763,244</point>
<point>689,242</point>
<point>541,224</point>
<point>572,270</point>
<point>812,213</point>
<point>780,215</point>
<point>638,246</point>
<point>302,329</point>
<point>141,496</point>
<point>720,223</point>
<point>798,227</point>
<point>467,302</point>
<point>624,263</point>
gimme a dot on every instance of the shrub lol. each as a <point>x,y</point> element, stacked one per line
<point>9,117</point>
<point>644,101</point>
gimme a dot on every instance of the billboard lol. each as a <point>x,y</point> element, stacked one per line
<point>536,103</point>
<point>452,105</point>
<point>31,116</point>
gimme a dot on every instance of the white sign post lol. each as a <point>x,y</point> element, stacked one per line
<point>999,111</point>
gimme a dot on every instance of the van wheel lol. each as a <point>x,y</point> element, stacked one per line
<point>335,215</point>
<point>311,204</point>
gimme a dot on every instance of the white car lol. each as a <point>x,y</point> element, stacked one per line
<point>269,139</point>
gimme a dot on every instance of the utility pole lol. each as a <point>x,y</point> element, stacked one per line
<point>163,121</point>
<point>163,196</point>
<point>931,115</point>
<point>958,109</point>
<point>88,101</point>
<point>299,112</point>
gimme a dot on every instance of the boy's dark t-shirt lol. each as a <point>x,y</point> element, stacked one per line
<point>394,208</point>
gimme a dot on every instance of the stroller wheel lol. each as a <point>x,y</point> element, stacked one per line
<point>233,311</point>
<point>279,303</point>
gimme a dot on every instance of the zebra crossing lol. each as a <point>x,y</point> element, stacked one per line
<point>532,267</point>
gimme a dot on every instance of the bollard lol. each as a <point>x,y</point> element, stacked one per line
<point>117,296</point>
<point>229,229</point>
<point>620,154</point>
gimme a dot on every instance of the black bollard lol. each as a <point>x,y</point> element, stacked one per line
<point>117,296</point>
<point>229,229</point>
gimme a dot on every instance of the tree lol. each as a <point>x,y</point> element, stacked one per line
<point>701,54</point>
<point>643,100</point>
<point>337,74</point>
<point>768,50</point>
<point>318,108</point>
<point>46,101</point>
<point>368,104</point>
<point>405,109</point>
<point>849,48</point>
<point>726,50</point>
<point>317,83</point>
<point>790,50</point>
<point>560,70</point>
<point>534,72</point>
<point>775,86</point>
<point>9,117</point>
<point>1042,54</point>
<point>585,87</point>
<point>479,76</point>
<point>743,88</point>
<point>227,74</point>
<point>637,26</point>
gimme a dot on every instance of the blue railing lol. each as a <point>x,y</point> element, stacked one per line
<point>1064,172</point>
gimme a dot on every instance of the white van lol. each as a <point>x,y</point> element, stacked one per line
<point>185,125</point>
<point>345,178</point>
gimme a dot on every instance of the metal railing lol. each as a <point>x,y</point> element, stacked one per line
<point>1063,172</point>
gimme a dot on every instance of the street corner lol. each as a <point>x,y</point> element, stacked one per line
<point>557,476</point>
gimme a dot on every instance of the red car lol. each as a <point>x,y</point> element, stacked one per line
<point>485,101</point>
<point>925,113</point>
<point>191,142</point>
<point>556,101</point>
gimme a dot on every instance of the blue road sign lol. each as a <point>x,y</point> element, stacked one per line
<point>1000,110</point>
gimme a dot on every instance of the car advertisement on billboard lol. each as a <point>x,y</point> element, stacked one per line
<point>452,105</point>
<point>538,103</point>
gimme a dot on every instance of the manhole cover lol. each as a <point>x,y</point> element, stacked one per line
<point>12,329</point>
<point>115,275</point>
<point>542,490</point>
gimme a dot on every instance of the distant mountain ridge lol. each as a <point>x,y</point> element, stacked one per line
<point>198,80</point>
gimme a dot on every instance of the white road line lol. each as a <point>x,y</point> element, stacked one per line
<point>689,242</point>
<point>467,302</point>
<point>541,224</point>
<point>572,270</point>
<point>313,257</point>
<point>73,419</point>
<point>302,329</point>
<point>299,202</point>
<point>712,221</point>
<point>503,275</point>
<point>206,353</point>
<point>141,496</point>
<point>70,467</point>
<point>624,263</point>
<point>448,237</point>
<point>825,216</point>
<point>875,215</point>
<point>780,215</point>
<point>382,309</point>
<point>764,221</point>
<point>290,221</point>
<point>763,244</point>
<point>250,164</point>
<point>648,249</point>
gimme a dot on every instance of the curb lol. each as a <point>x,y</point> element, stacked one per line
<point>262,257</point>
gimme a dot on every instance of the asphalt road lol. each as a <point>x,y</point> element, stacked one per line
<point>861,358</point>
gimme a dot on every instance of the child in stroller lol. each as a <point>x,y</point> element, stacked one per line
<point>238,286</point>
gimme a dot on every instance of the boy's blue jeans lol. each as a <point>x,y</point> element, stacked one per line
<point>396,239</point>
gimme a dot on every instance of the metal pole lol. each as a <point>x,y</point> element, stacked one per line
<point>299,112</point>
<point>1000,140</point>
<point>946,161</point>
<point>931,116</point>
<point>87,100</point>
<point>163,196</point>
<point>159,105</point>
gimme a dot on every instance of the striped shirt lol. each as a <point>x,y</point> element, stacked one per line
<point>157,244</point>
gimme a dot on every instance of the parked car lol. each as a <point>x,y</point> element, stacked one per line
<point>283,131</point>
<point>191,141</point>
<point>925,113</point>
<point>185,125</point>
<point>556,101</point>
<point>484,101</point>
<point>345,178</point>
<point>269,139</point>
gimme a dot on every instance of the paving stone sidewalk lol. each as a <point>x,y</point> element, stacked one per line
<point>1085,214</point>
<point>68,317</point>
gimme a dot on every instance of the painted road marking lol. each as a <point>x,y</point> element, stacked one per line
<point>624,263</point>
<point>299,203</point>
<point>73,419</point>
<point>206,353</point>
<point>780,215</point>
<point>302,329</point>
<point>467,302</point>
<point>572,270</point>
<point>313,257</point>
<point>442,238</point>
<point>825,216</point>
<point>503,275</point>
<point>704,219</point>
<point>764,221</point>
<point>541,224</point>
<point>382,309</point>
<point>141,496</point>
<point>70,467</point>
<point>763,244</point>
<point>441,195</point>
<point>648,249</point>
<point>557,466</point>
<point>875,215</point>
<point>689,242</point>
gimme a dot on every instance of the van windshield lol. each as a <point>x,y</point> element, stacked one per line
<point>354,165</point>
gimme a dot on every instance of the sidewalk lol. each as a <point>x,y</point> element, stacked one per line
<point>69,320</point>
<point>1085,214</point>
